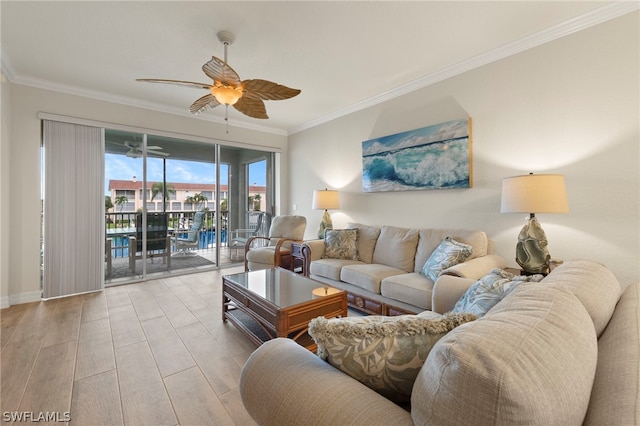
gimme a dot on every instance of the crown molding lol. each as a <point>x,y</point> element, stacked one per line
<point>590,19</point>
<point>8,71</point>
<point>595,17</point>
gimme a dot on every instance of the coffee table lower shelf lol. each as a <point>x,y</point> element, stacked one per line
<point>256,332</point>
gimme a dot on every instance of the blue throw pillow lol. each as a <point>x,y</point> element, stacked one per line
<point>449,253</point>
<point>485,293</point>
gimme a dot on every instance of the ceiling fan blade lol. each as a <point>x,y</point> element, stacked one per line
<point>268,90</point>
<point>154,147</point>
<point>252,107</point>
<point>220,71</point>
<point>178,82</point>
<point>205,102</point>
<point>157,153</point>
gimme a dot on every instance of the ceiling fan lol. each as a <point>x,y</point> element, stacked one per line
<point>135,150</point>
<point>227,89</point>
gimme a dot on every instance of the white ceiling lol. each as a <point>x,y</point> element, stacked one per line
<point>342,55</point>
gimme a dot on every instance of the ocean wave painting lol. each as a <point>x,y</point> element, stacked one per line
<point>433,157</point>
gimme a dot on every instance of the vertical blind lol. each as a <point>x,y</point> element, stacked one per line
<point>73,209</point>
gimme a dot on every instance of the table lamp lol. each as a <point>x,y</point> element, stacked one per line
<point>533,194</point>
<point>325,200</point>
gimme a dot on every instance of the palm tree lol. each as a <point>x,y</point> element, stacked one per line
<point>256,201</point>
<point>108,204</point>
<point>158,188</point>
<point>121,200</point>
<point>198,199</point>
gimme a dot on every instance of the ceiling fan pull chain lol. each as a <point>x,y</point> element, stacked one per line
<point>226,116</point>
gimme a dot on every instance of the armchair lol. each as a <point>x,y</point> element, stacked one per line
<point>239,237</point>
<point>193,236</point>
<point>277,249</point>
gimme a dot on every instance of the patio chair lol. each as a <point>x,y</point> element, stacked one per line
<point>239,237</point>
<point>182,245</point>
<point>277,250</point>
<point>158,244</point>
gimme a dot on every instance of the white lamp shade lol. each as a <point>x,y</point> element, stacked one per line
<point>325,199</point>
<point>534,194</point>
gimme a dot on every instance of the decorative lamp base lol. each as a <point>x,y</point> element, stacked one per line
<point>531,251</point>
<point>325,223</point>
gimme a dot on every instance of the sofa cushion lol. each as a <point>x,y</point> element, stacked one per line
<point>615,397</point>
<point>384,353</point>
<point>367,238</point>
<point>396,247</point>
<point>265,255</point>
<point>599,294</point>
<point>531,360</point>
<point>341,244</point>
<point>485,293</point>
<point>414,289</point>
<point>367,276</point>
<point>330,268</point>
<point>430,239</point>
<point>448,253</point>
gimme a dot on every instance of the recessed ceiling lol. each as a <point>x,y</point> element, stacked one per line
<point>340,54</point>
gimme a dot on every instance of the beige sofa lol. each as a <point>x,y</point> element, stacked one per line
<point>387,279</point>
<point>564,351</point>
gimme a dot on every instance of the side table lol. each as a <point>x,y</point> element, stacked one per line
<point>297,259</point>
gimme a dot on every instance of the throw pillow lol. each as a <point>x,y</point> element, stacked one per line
<point>450,252</point>
<point>341,244</point>
<point>384,353</point>
<point>485,293</point>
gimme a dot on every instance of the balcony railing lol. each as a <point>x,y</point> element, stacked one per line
<point>121,225</point>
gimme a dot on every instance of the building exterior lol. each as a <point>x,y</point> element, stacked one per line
<point>179,196</point>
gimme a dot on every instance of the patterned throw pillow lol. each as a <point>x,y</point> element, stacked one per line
<point>489,290</point>
<point>341,244</point>
<point>384,353</point>
<point>449,253</point>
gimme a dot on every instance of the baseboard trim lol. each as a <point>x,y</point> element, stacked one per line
<point>17,299</point>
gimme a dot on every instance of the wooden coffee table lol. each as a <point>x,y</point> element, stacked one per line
<point>276,302</point>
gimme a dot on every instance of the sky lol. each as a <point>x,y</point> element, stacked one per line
<point>435,133</point>
<point>121,167</point>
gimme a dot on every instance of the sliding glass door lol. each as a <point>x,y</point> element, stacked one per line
<point>251,198</point>
<point>171,205</point>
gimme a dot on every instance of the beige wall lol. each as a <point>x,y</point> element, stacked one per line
<point>5,225</point>
<point>22,224</point>
<point>570,107</point>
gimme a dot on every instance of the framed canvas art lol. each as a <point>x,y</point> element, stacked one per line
<point>432,157</point>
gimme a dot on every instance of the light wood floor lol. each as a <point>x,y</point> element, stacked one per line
<point>153,353</point>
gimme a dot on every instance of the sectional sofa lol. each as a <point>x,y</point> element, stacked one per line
<point>562,351</point>
<point>385,277</point>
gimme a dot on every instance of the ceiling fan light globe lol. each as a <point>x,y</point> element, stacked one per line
<point>226,95</point>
